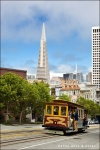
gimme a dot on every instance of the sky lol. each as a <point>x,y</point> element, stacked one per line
<point>68,26</point>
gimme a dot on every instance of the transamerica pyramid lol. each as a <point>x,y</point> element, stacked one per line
<point>43,67</point>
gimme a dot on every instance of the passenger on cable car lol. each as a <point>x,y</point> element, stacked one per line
<point>71,118</point>
<point>76,120</point>
<point>56,109</point>
<point>85,120</point>
<point>63,111</point>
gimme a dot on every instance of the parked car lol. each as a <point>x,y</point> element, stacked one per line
<point>91,122</point>
<point>96,122</point>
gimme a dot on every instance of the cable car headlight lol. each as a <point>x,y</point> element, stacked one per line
<point>55,122</point>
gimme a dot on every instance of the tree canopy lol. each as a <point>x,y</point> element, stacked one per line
<point>65,97</point>
<point>90,106</point>
<point>17,94</point>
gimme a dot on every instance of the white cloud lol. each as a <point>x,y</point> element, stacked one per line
<point>60,70</point>
<point>19,21</point>
<point>90,69</point>
<point>62,18</point>
<point>53,74</point>
<point>64,68</point>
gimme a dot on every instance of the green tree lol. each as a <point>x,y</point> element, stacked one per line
<point>22,97</point>
<point>41,95</point>
<point>65,97</point>
<point>14,93</point>
<point>7,91</point>
<point>90,106</point>
<point>52,97</point>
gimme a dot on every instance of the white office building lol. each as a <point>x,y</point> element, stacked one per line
<point>96,56</point>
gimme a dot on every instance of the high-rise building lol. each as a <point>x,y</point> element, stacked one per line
<point>96,56</point>
<point>89,77</point>
<point>43,68</point>
<point>76,75</point>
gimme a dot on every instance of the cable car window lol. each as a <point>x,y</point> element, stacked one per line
<point>63,111</point>
<point>49,109</point>
<point>56,110</point>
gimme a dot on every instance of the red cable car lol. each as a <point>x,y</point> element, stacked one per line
<point>59,117</point>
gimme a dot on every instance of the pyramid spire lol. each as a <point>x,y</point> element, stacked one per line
<point>43,67</point>
<point>43,37</point>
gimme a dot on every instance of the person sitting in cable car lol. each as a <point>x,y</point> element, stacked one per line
<point>85,120</point>
<point>71,118</point>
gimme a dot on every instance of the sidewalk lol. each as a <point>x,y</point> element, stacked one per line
<point>29,127</point>
<point>16,127</point>
<point>94,126</point>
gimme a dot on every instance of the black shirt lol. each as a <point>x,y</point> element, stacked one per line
<point>76,116</point>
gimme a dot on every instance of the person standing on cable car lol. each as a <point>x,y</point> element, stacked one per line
<point>76,120</point>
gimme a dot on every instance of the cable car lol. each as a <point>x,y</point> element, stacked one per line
<point>58,120</point>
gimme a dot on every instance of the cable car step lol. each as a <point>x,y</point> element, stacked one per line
<point>53,132</point>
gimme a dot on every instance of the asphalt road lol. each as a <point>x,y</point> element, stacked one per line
<point>87,141</point>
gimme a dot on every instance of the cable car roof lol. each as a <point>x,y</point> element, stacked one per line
<point>64,102</point>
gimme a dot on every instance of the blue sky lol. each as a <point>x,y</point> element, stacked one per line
<point>68,26</point>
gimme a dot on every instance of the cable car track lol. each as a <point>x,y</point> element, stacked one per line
<point>33,138</point>
<point>22,140</point>
<point>20,131</point>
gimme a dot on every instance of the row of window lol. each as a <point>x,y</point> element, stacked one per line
<point>96,47</point>
<point>96,59</point>
<point>96,35</point>
<point>97,72</point>
<point>96,65</point>
<point>96,62</point>
<point>94,54</point>
<point>96,50</point>
<point>96,30</point>
<point>96,84</point>
<point>56,110</point>
<point>61,110</point>
<point>96,42</point>
<point>96,76</point>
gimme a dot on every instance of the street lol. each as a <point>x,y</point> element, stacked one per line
<point>86,140</point>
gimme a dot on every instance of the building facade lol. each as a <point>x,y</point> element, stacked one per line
<point>96,56</point>
<point>43,67</point>
<point>21,73</point>
<point>71,76</point>
<point>89,77</point>
<point>30,78</point>
<point>70,88</point>
<point>89,91</point>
